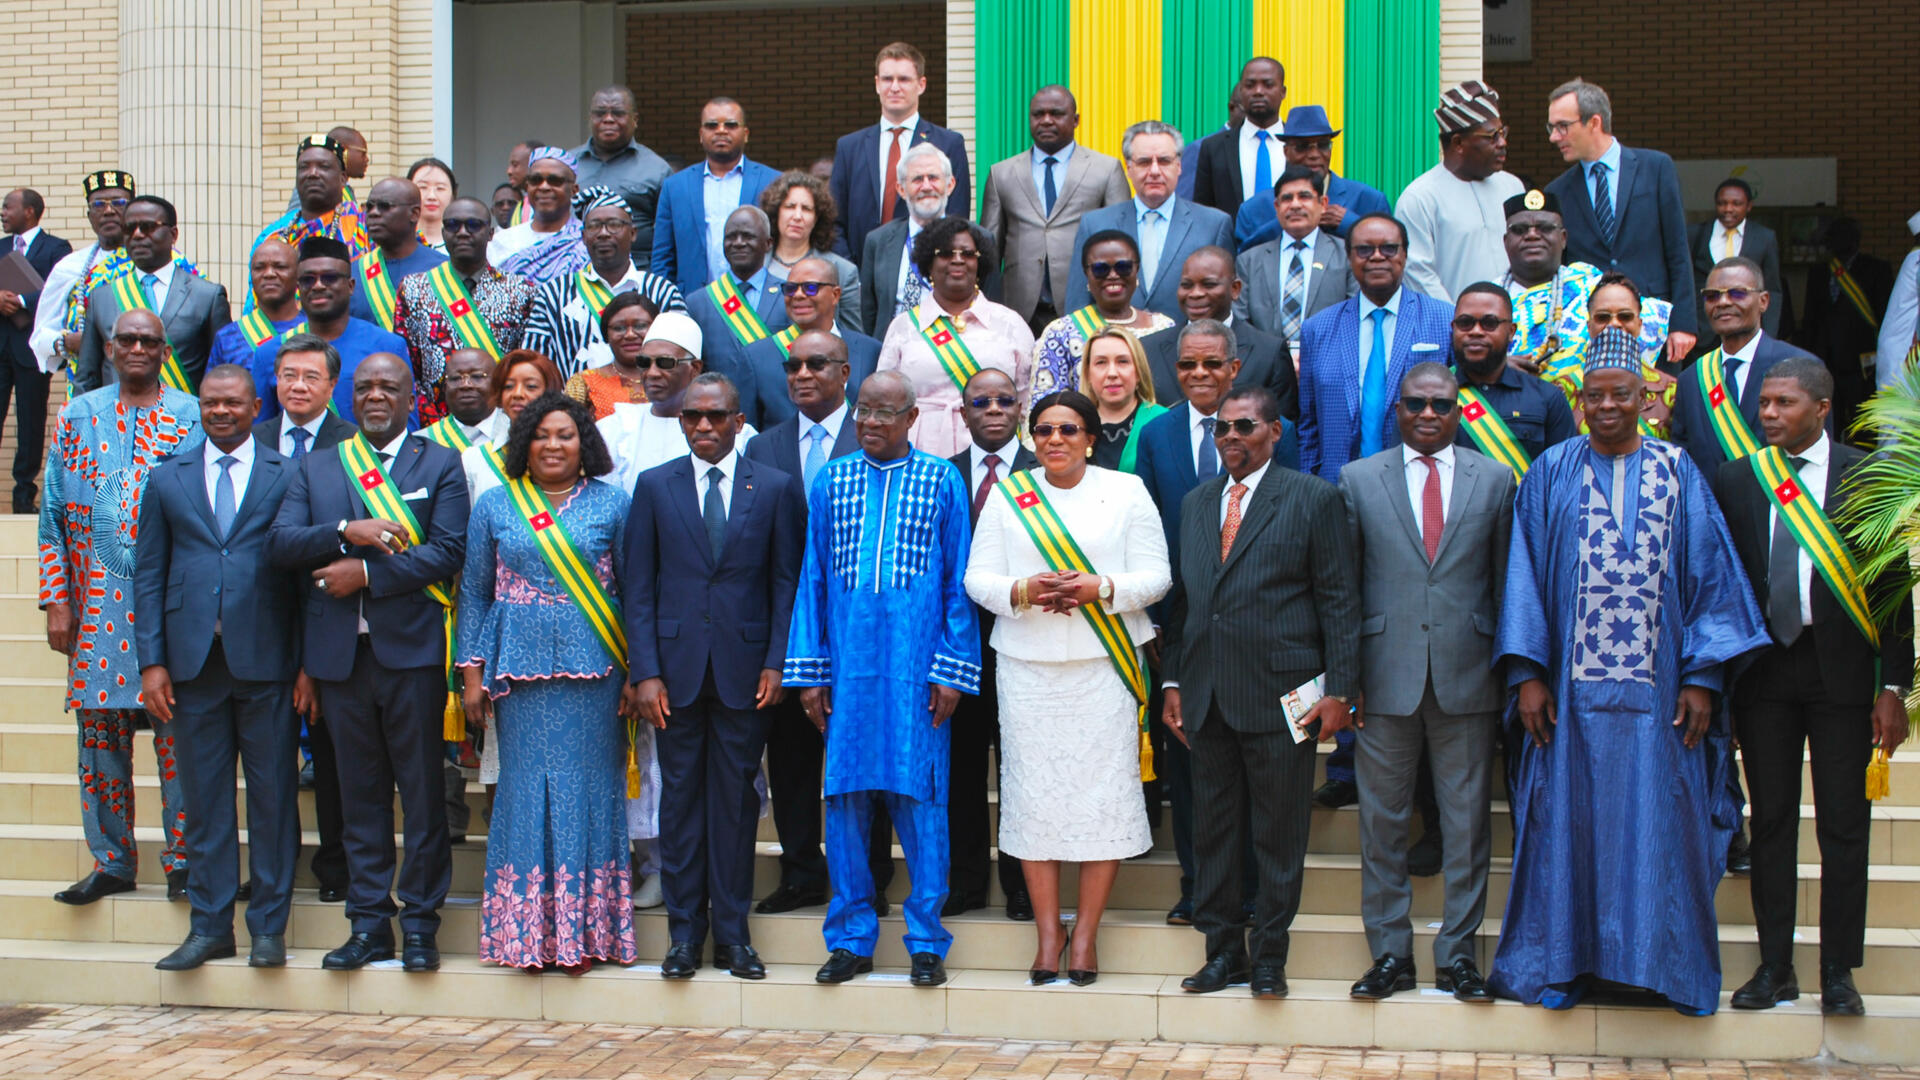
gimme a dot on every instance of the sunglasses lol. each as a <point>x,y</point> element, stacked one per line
<point>1005,401</point>
<point>810,288</point>
<point>1544,228</point>
<point>715,125</point>
<point>463,225</point>
<point>1046,431</point>
<point>1211,364</point>
<point>664,363</point>
<point>547,180</point>
<point>815,364</point>
<point>1489,323</point>
<point>1606,318</point>
<point>140,341</point>
<point>1738,296</point>
<point>102,204</point>
<point>1117,268</point>
<point>1368,251</point>
<point>308,281</point>
<point>143,228</point>
<point>965,254</point>
<point>379,205</point>
<point>715,417</point>
<point>1441,406</point>
<point>1243,427</point>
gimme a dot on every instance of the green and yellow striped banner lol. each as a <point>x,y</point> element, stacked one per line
<point>1088,321</point>
<point>1490,433</point>
<point>951,350</point>
<point>787,337</point>
<point>595,295</point>
<point>570,567</point>
<point>1817,537</point>
<point>379,285</point>
<point>448,433</point>
<point>1736,439</point>
<point>1852,289</point>
<point>739,315</point>
<point>131,297</point>
<point>256,327</point>
<point>468,326</point>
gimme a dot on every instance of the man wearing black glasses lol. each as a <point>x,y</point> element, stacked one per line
<point>1736,302</point>
<point>695,202</point>
<point>191,308</point>
<point>324,275</point>
<point>1532,410</point>
<point>812,302</point>
<point>393,223</point>
<point>433,308</point>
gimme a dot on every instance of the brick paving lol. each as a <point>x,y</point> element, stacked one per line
<point>114,1042</point>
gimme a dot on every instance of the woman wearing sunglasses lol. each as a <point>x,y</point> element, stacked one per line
<point>1070,678</point>
<point>623,325</point>
<point>1114,372</point>
<point>1111,260</point>
<point>1616,301</point>
<point>802,213</point>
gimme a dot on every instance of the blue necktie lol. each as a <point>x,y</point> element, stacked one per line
<point>1263,165</point>
<point>300,437</point>
<point>816,457</point>
<point>1733,382</point>
<point>1052,193</point>
<point>223,504</point>
<point>1603,201</point>
<point>714,512</point>
<point>1209,457</point>
<point>147,282</point>
<point>1152,241</point>
<point>1373,389</point>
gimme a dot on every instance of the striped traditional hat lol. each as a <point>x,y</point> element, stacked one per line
<point>1613,348</point>
<point>1466,107</point>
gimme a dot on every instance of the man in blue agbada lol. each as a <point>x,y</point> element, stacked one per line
<point>884,642</point>
<point>1624,605</point>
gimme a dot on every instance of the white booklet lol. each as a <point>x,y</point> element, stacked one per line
<point>1299,701</point>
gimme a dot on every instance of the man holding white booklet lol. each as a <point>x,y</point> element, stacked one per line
<point>1265,599</point>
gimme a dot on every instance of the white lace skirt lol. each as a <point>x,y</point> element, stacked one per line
<point>1069,762</point>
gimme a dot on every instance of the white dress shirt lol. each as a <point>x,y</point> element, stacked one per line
<point>1745,356</point>
<point>889,182</point>
<point>728,466</point>
<point>1417,484</point>
<point>1197,433</point>
<point>1249,157</point>
<point>311,427</point>
<point>241,471</point>
<point>25,241</point>
<point>1813,481</point>
<point>1253,484</point>
<point>835,420</point>
<point>978,473</point>
<point>1717,240</point>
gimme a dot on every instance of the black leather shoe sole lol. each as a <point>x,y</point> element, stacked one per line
<point>95,887</point>
<point>831,973</point>
<point>342,960</point>
<point>1193,985</point>
<point>1379,992</point>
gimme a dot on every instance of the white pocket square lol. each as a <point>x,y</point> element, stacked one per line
<point>412,495</point>
<point>1418,346</point>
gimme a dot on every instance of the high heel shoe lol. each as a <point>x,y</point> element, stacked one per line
<point>1043,976</point>
<point>1082,976</point>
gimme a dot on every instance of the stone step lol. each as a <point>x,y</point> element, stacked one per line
<point>54,799</point>
<point>40,702</point>
<point>18,573</point>
<point>974,1002</point>
<point>20,609</point>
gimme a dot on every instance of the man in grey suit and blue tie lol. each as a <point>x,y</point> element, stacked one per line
<point>1429,523</point>
<point>191,308</point>
<point>1167,228</point>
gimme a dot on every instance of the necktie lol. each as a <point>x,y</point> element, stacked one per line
<point>1262,164</point>
<point>223,504</point>
<point>887,181</point>
<point>1433,516</point>
<point>816,457</point>
<point>1733,380</point>
<point>1373,389</point>
<point>714,512</point>
<point>1293,292</point>
<point>986,486</point>
<point>1783,577</point>
<point>299,436</point>
<point>20,242</point>
<point>1209,466</point>
<point>1152,239</point>
<point>1603,201</point>
<point>1052,193</point>
<point>1732,244</point>
<point>911,292</point>
<point>147,283</point>
<point>1230,528</point>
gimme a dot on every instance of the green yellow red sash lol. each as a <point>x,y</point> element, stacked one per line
<point>1815,533</point>
<point>383,501</point>
<point>256,328</point>
<point>127,290</point>
<point>787,337</point>
<point>448,433</point>
<point>1853,291</point>
<point>739,315</point>
<point>1088,321</point>
<point>1057,547</point>
<point>379,285</point>
<point>468,326</point>
<point>1490,433</point>
<point>951,350</point>
<point>595,295</point>
<point>1736,438</point>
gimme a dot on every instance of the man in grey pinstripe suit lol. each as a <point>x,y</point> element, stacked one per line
<point>1265,599</point>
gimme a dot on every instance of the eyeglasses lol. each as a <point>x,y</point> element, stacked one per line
<point>301,378</point>
<point>965,254</point>
<point>1441,406</point>
<point>1607,318</point>
<point>1117,268</point>
<point>1066,431</point>
<point>1495,135</point>
<point>607,227</point>
<point>102,204</point>
<point>1520,229</point>
<point>1489,323</point>
<point>148,342</point>
<point>547,180</point>
<point>1005,401</point>
<point>469,378</point>
<point>664,363</point>
<point>328,279</point>
<point>715,125</point>
<point>1242,427</point>
<point>880,416</point>
<point>1211,363</point>
<point>630,328</point>
<point>1558,127</point>
<point>142,228</point>
<point>1368,251</point>
<point>815,364</point>
<point>811,288</point>
<point>1738,296</point>
<point>715,417</point>
<point>462,225</point>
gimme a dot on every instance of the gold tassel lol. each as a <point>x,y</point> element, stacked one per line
<point>1879,783</point>
<point>453,723</point>
<point>633,772</point>
<point>1146,750</point>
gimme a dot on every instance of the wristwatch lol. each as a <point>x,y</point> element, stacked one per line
<point>1106,589</point>
<point>1897,691</point>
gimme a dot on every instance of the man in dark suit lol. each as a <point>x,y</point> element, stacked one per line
<point>991,409</point>
<point>217,662</point>
<point>1846,299</point>
<point>1164,226</point>
<point>1731,232</point>
<point>191,308</point>
<point>1736,303</point>
<point>708,592</point>
<point>20,374</point>
<point>1622,206</point>
<point>686,245</point>
<point>1210,289</point>
<point>1236,164</point>
<point>1265,601</point>
<point>1301,272</point>
<point>864,161</point>
<point>726,338</point>
<point>1824,689</point>
<point>889,282</point>
<point>374,643</point>
<point>811,297</point>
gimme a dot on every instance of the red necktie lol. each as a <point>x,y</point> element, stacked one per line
<point>1231,527</point>
<point>1432,516</point>
<point>888,181</point>
<point>986,486</point>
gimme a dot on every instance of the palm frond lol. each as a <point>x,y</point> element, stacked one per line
<point>1881,516</point>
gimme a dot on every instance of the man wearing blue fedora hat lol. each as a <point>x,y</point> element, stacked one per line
<point>1308,141</point>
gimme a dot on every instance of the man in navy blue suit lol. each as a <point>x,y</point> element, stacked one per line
<point>713,554</point>
<point>754,296</point>
<point>374,642</point>
<point>695,202</point>
<point>218,632</point>
<point>1166,227</point>
<point>811,296</point>
<point>865,161</point>
<point>1737,301</point>
<point>20,373</point>
<point>1622,206</point>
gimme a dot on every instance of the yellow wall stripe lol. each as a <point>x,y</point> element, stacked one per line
<point>1309,38</point>
<point>1114,67</point>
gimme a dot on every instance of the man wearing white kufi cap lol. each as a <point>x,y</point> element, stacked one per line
<point>1900,329</point>
<point>1454,211</point>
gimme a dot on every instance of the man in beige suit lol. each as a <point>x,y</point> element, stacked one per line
<point>1034,202</point>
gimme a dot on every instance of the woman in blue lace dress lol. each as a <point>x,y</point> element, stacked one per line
<point>558,891</point>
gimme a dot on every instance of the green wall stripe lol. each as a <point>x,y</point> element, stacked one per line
<point>1203,45</point>
<point>1019,46</point>
<point>1393,80</point>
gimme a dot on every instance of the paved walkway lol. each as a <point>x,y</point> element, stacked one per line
<point>102,1042</point>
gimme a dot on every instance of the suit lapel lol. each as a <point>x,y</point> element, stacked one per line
<point>1393,481</point>
<point>1623,192</point>
<point>1763,358</point>
<point>1332,264</point>
<point>1405,327</point>
<point>1466,474</point>
<point>848,440</point>
<point>176,298</point>
<point>192,473</point>
<point>683,497</point>
<point>1350,361</point>
<point>1258,512</point>
<point>1183,448</point>
<point>267,471</point>
<point>1168,274</point>
<point>1077,167</point>
<point>1021,177</point>
<point>739,506</point>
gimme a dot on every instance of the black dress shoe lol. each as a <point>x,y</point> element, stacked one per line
<point>928,969</point>
<point>1269,981</point>
<point>960,905</point>
<point>1181,914</point>
<point>787,898</point>
<point>176,884</point>
<point>93,887</point>
<point>197,950</point>
<point>333,894</point>
<point>1387,976</point>
<point>1424,857</point>
<point>1464,981</point>
<point>1227,969</point>
<point>1771,984</point>
<point>269,951</point>
<point>1335,794</point>
<point>1739,858</point>
<point>1020,907</point>
<point>245,891</point>
<point>842,965</point>
<point>1837,994</point>
<point>682,960</point>
<point>359,951</point>
<point>882,907</point>
<point>421,953</point>
<point>740,961</point>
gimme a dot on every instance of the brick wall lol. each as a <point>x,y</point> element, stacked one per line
<point>804,74</point>
<point>1796,78</point>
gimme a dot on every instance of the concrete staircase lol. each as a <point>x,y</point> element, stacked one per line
<point>105,953</point>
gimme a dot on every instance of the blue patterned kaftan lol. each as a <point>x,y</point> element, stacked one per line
<point>1622,587</point>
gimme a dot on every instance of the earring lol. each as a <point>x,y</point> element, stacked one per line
<point>1089,451</point>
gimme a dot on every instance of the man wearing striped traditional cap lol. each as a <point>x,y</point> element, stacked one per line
<point>564,324</point>
<point>547,243</point>
<point>1454,211</point>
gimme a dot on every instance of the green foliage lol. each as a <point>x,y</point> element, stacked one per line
<point>1881,517</point>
